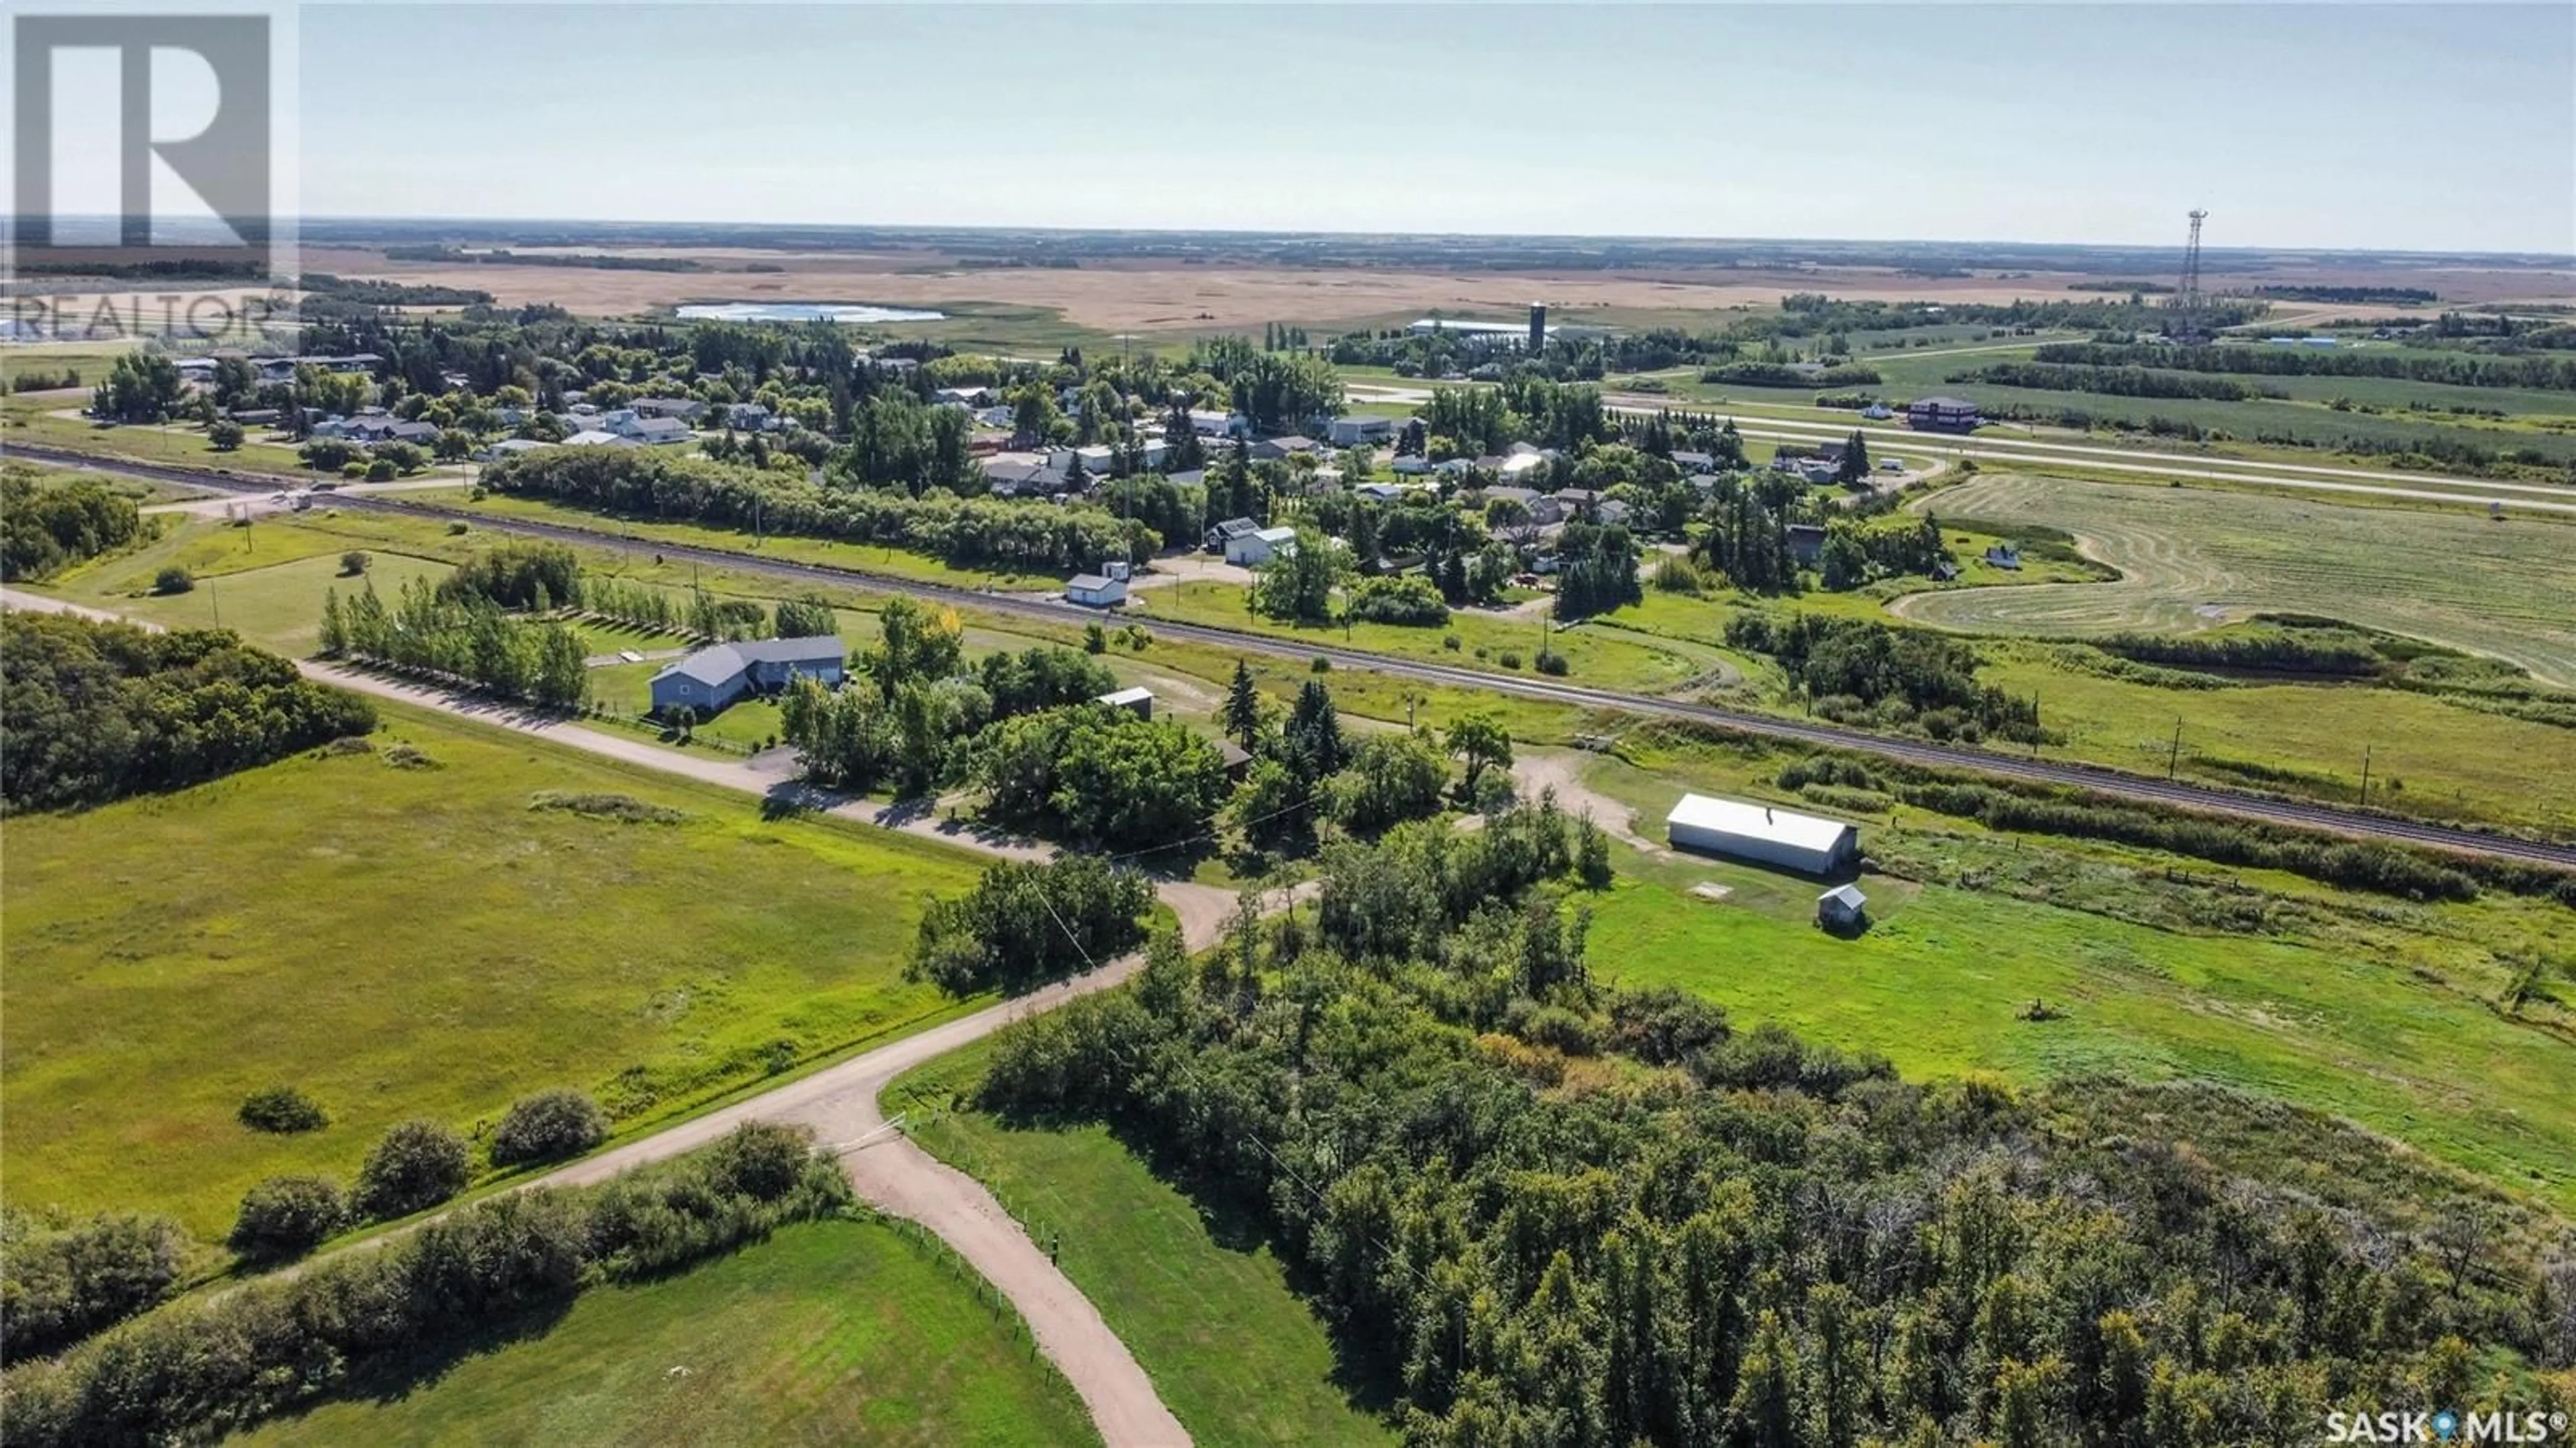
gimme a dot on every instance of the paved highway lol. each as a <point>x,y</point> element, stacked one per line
<point>2359,823</point>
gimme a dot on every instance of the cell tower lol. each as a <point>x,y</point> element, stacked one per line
<point>2188,300</point>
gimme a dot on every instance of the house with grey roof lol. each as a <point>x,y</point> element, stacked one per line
<point>713,677</point>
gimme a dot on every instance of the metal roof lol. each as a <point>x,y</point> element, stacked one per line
<point>1847,896</point>
<point>1756,822</point>
<point>1122,697</point>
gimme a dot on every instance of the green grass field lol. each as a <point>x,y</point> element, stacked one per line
<point>1235,1354</point>
<point>839,1332</point>
<point>419,942</point>
<point>2369,1015</point>
<point>2192,558</point>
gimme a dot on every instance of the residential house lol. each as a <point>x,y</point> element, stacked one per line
<point>1216,424</point>
<point>686,409</point>
<point>1942,414</point>
<point>1220,537</point>
<point>1806,542</point>
<point>1280,448</point>
<point>653,431</point>
<point>1254,549</point>
<point>969,397</point>
<point>1022,475</point>
<point>1544,508</point>
<point>713,677</point>
<point>1411,465</point>
<point>1878,412</point>
<point>512,447</point>
<point>1379,492</point>
<point>750,417</point>
<point>1695,462</point>
<point>2005,555</point>
<point>595,438</point>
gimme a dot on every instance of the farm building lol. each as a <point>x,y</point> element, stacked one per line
<point>714,677</point>
<point>1942,414</point>
<point>1761,833</point>
<point>1138,701</point>
<point>1843,907</point>
<point>1352,431</point>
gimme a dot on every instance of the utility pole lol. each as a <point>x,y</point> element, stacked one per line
<point>2173,757</point>
<point>2365,774</point>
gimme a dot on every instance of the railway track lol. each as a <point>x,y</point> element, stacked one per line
<point>2357,823</point>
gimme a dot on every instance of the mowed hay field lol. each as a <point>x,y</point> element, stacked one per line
<point>2192,558</point>
<point>842,1332</point>
<point>405,942</point>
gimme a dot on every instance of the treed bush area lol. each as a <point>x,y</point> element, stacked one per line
<point>1410,600</point>
<point>46,529</point>
<point>196,1372</point>
<point>59,1284</point>
<point>1101,776</point>
<point>91,712</point>
<point>1026,923</point>
<point>1858,672</point>
<point>2459,369</point>
<point>2336,653</point>
<point>548,1126</point>
<point>1782,374</point>
<point>964,531</point>
<point>516,574</point>
<point>1731,1237</point>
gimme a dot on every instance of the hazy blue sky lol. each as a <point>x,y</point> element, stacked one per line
<point>2347,125</point>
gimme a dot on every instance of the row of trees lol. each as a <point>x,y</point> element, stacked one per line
<point>1750,1240</point>
<point>1026,923</point>
<point>433,630</point>
<point>196,1373</point>
<point>44,529</point>
<point>968,531</point>
<point>2459,369</point>
<point>91,712</point>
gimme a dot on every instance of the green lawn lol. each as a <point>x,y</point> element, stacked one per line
<point>839,1332</point>
<point>1236,1355</point>
<point>419,942</point>
<point>2375,1017</point>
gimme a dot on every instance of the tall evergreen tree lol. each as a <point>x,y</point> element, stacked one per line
<point>1242,714</point>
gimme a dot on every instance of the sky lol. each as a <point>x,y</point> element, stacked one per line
<point>2400,127</point>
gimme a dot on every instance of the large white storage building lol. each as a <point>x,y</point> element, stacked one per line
<point>1762,833</point>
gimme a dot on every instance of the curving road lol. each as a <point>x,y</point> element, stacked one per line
<point>2298,814</point>
<point>839,1103</point>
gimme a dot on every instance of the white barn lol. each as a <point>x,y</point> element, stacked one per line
<point>1762,833</point>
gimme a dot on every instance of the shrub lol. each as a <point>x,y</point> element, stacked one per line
<point>282,1109</point>
<point>457,528</point>
<point>1410,601</point>
<point>548,1126</point>
<point>1509,659</point>
<point>225,436</point>
<point>1676,574</point>
<point>1551,662</point>
<point>288,1216</point>
<point>173,579</point>
<point>760,1160</point>
<point>1449,642</point>
<point>57,1287</point>
<point>382,470</point>
<point>416,1164</point>
<point>1319,665</point>
<point>353,563</point>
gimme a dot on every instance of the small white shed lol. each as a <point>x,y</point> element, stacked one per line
<point>1254,549</point>
<point>1843,907</point>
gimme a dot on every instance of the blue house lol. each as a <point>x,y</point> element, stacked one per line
<point>714,677</point>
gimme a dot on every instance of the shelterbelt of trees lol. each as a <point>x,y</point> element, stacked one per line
<point>1552,1213</point>
<point>46,529</point>
<point>965,531</point>
<point>2460,369</point>
<point>91,712</point>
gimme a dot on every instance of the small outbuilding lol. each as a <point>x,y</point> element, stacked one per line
<point>1842,908</point>
<point>1138,701</point>
<point>1764,834</point>
<point>1105,589</point>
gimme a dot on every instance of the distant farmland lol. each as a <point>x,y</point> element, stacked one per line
<point>2191,559</point>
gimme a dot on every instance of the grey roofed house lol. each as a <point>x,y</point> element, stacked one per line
<point>713,677</point>
<point>684,408</point>
<point>1695,462</point>
<point>658,430</point>
<point>1281,447</point>
<point>1220,534</point>
<point>1806,542</point>
<point>1013,476</point>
